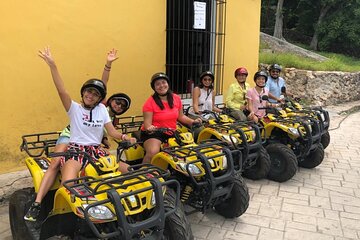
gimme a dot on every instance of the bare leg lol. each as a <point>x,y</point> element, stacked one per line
<point>123,167</point>
<point>70,170</point>
<point>152,147</point>
<point>50,174</point>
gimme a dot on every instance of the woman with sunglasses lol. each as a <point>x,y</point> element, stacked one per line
<point>255,97</point>
<point>203,96</point>
<point>88,120</point>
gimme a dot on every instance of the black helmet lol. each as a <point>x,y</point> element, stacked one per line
<point>275,66</point>
<point>97,84</point>
<point>119,96</point>
<point>261,73</point>
<point>207,73</point>
<point>157,76</point>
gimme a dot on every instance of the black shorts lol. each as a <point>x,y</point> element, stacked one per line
<point>158,135</point>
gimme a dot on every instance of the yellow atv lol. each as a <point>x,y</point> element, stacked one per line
<point>205,172</point>
<point>237,135</point>
<point>101,203</point>
<point>291,141</point>
<point>293,107</point>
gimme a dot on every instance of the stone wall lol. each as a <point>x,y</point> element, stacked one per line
<point>323,88</point>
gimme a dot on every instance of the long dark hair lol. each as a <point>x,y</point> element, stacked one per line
<point>169,96</point>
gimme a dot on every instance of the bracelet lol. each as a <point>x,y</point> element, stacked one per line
<point>106,66</point>
<point>108,70</point>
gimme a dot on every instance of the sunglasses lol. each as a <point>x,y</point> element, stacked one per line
<point>120,102</point>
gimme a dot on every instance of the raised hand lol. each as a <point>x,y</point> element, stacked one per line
<point>111,56</point>
<point>46,55</point>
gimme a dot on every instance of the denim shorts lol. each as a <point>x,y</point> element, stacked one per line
<point>63,140</point>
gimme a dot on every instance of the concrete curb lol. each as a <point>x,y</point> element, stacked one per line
<point>11,182</point>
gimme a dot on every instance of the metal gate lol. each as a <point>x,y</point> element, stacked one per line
<point>195,38</point>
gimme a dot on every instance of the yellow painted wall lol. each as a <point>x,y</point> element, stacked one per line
<point>242,39</point>
<point>79,33</point>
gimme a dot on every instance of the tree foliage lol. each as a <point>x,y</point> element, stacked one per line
<point>325,25</point>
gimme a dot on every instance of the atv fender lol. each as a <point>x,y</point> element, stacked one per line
<point>273,125</point>
<point>37,168</point>
<point>206,134</point>
<point>63,202</point>
<point>162,160</point>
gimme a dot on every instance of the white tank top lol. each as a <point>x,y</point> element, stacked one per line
<point>205,100</point>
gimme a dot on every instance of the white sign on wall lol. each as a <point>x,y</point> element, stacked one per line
<point>199,15</point>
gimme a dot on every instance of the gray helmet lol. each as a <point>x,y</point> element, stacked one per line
<point>275,66</point>
<point>97,84</point>
<point>119,96</point>
<point>156,76</point>
<point>261,73</point>
<point>207,73</point>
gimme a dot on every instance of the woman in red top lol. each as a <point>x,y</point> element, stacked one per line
<point>161,110</point>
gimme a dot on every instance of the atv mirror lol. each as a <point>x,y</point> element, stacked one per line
<point>265,98</point>
<point>283,89</point>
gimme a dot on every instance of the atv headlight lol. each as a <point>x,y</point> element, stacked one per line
<point>229,139</point>
<point>294,131</point>
<point>99,212</point>
<point>194,170</point>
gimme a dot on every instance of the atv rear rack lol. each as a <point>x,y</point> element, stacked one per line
<point>82,188</point>
<point>35,145</point>
<point>128,124</point>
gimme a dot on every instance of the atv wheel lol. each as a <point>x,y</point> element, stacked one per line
<point>325,139</point>
<point>177,225</point>
<point>283,162</point>
<point>19,203</point>
<point>314,158</point>
<point>238,202</point>
<point>261,168</point>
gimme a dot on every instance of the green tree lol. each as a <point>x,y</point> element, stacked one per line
<point>325,6</point>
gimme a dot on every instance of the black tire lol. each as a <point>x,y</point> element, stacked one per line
<point>283,162</point>
<point>261,168</point>
<point>177,225</point>
<point>238,202</point>
<point>325,139</point>
<point>19,203</point>
<point>314,158</point>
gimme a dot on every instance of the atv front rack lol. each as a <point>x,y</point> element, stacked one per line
<point>83,188</point>
<point>217,185</point>
<point>35,145</point>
